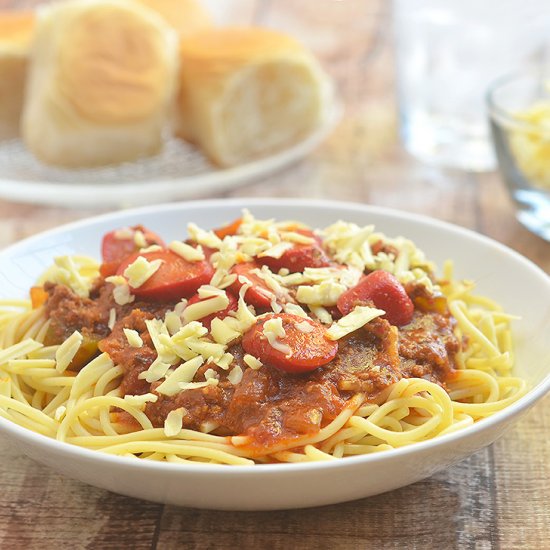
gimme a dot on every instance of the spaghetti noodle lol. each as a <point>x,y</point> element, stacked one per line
<point>90,405</point>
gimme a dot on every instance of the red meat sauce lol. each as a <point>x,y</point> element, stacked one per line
<point>268,405</point>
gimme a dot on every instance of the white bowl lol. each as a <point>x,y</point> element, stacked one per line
<point>500,273</point>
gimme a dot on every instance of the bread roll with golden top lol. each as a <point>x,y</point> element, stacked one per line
<point>248,92</point>
<point>15,38</point>
<point>101,83</point>
<point>186,17</point>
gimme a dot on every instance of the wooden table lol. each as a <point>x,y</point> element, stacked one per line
<point>498,498</point>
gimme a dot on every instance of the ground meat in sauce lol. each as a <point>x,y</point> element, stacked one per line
<point>268,405</point>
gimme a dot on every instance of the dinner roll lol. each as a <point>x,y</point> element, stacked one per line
<point>248,92</point>
<point>15,38</point>
<point>100,85</point>
<point>184,16</point>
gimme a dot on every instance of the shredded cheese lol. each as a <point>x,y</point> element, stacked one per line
<point>206,238</point>
<point>133,338</point>
<point>322,314</point>
<point>253,362</point>
<point>172,321</point>
<point>276,251</point>
<point>304,326</point>
<point>272,330</point>
<point>122,295</point>
<point>67,350</point>
<point>360,316</point>
<point>151,248</point>
<point>155,372</point>
<point>197,385</point>
<point>295,309</point>
<point>112,318</point>
<point>203,308</point>
<point>323,294</point>
<point>140,401</point>
<point>124,234</point>
<point>121,290</point>
<point>156,328</point>
<point>76,272</point>
<point>236,375</point>
<point>174,422</point>
<point>141,270</point>
<point>183,374</point>
<point>210,373</point>
<point>139,239</point>
<point>222,332</point>
<point>186,251</point>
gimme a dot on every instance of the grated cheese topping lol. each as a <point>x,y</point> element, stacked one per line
<point>76,272</point>
<point>359,317</point>
<point>139,239</point>
<point>121,290</point>
<point>221,332</point>
<point>304,326</point>
<point>203,308</point>
<point>183,344</point>
<point>210,373</point>
<point>197,385</point>
<point>187,252</point>
<point>174,422</point>
<point>253,362</point>
<point>133,338</point>
<point>236,375</point>
<point>273,330</point>
<point>141,270</point>
<point>182,374</point>
<point>140,401</point>
<point>323,294</point>
<point>150,248</point>
<point>124,234</point>
<point>67,350</point>
<point>155,372</point>
<point>352,245</point>
<point>112,318</point>
<point>173,322</point>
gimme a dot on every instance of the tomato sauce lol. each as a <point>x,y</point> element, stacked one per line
<point>268,405</point>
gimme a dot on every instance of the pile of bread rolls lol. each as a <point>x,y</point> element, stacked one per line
<point>89,83</point>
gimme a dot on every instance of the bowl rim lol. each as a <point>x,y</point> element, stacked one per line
<point>533,395</point>
<point>500,114</point>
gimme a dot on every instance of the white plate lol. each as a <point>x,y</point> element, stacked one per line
<point>180,172</point>
<point>520,286</point>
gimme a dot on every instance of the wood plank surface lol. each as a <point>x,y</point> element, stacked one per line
<point>497,499</point>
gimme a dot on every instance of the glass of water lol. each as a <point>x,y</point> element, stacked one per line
<point>447,54</point>
<point>519,111</point>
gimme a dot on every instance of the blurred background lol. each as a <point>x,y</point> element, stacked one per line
<point>412,77</point>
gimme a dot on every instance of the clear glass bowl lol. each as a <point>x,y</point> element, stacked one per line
<point>519,112</point>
